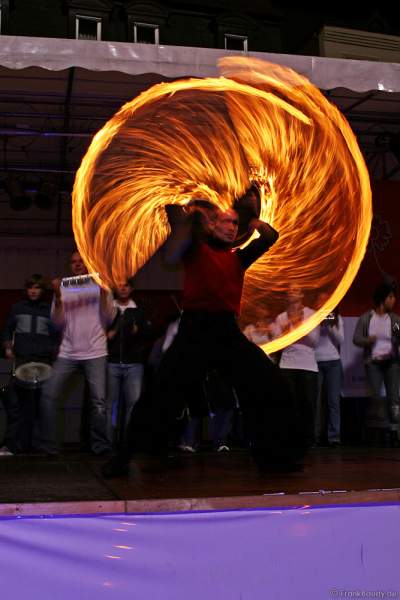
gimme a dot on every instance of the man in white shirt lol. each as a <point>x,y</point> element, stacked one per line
<point>83,320</point>
<point>299,366</point>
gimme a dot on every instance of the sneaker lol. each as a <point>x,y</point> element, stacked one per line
<point>4,451</point>
<point>187,448</point>
<point>223,448</point>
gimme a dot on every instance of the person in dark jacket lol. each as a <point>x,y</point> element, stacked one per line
<point>128,341</point>
<point>28,336</point>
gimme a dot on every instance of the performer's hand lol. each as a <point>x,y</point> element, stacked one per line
<point>135,329</point>
<point>175,213</point>
<point>371,339</point>
<point>247,204</point>
<point>111,333</point>
<point>199,215</point>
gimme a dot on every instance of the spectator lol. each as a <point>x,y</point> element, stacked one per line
<point>299,366</point>
<point>29,336</point>
<point>82,313</point>
<point>378,333</point>
<point>127,347</point>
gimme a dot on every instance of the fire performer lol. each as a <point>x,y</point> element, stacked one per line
<point>202,239</point>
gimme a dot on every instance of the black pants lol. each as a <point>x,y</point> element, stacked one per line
<point>21,407</point>
<point>207,341</point>
<point>302,387</point>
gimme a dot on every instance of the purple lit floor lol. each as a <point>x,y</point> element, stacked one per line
<point>278,554</point>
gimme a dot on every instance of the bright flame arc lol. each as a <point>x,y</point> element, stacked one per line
<point>203,138</point>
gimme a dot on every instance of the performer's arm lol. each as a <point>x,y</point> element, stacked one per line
<point>188,225</point>
<point>256,248</point>
<point>57,308</point>
<point>180,238</point>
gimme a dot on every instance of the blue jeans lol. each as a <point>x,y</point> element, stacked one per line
<point>221,426</point>
<point>125,382</point>
<point>330,381</point>
<point>94,370</point>
<point>385,372</point>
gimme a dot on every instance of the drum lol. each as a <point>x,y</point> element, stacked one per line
<point>32,375</point>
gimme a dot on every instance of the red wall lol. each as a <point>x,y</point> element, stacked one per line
<point>383,251</point>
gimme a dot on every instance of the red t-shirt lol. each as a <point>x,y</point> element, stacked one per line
<point>213,280</point>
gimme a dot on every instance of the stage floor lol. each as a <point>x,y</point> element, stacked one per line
<point>73,483</point>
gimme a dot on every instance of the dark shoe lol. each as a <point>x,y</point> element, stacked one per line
<point>334,444</point>
<point>115,468</point>
<point>43,452</point>
<point>106,453</point>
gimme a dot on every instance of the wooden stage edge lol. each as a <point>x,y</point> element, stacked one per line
<point>269,501</point>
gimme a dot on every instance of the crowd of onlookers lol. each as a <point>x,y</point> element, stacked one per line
<point>111,341</point>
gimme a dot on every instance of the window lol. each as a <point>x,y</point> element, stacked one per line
<point>146,33</point>
<point>87,28</point>
<point>235,42</point>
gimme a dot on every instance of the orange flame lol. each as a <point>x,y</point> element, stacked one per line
<point>204,138</point>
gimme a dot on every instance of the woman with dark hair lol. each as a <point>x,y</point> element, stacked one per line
<point>378,333</point>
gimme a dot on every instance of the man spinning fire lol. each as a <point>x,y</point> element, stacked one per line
<point>202,239</point>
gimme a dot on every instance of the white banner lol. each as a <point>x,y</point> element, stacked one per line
<point>303,553</point>
<point>55,54</point>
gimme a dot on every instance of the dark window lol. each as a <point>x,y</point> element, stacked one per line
<point>145,33</point>
<point>235,42</point>
<point>88,28</point>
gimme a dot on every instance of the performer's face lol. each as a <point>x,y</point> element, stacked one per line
<point>77,265</point>
<point>34,292</point>
<point>225,226</point>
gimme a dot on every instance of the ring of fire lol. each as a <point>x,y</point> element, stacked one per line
<point>210,138</point>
